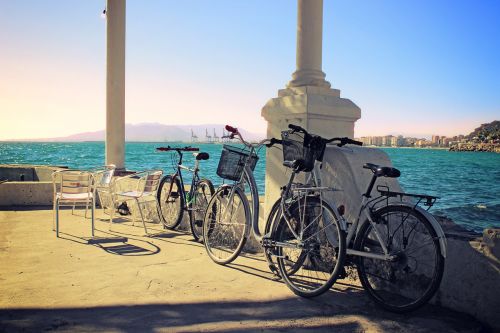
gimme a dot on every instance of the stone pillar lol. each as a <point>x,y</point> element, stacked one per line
<point>308,100</point>
<point>115,83</point>
<point>309,45</point>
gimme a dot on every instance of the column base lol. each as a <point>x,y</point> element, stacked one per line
<point>320,110</point>
<point>308,77</point>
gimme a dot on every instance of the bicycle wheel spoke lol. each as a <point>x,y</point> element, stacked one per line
<point>411,278</point>
<point>224,231</point>
<point>311,267</point>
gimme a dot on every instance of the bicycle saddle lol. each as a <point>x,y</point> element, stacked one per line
<point>202,156</point>
<point>381,171</point>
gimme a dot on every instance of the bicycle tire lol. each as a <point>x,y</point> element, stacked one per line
<point>270,228</point>
<point>393,284</point>
<point>171,206</point>
<point>224,239</point>
<point>198,206</point>
<point>320,259</point>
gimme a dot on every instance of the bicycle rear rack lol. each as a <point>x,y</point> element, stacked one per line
<point>386,193</point>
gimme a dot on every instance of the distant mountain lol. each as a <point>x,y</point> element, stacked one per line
<point>155,132</point>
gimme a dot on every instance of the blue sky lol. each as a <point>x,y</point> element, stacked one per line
<point>413,67</point>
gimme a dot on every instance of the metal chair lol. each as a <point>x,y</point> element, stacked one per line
<point>101,187</point>
<point>140,187</point>
<point>73,188</point>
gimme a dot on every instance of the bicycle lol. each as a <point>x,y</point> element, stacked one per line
<point>229,215</point>
<point>303,233</point>
<point>398,249</point>
<point>229,219</point>
<point>173,198</point>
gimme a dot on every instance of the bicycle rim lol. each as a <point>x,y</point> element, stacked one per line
<point>171,202</point>
<point>225,225</point>
<point>311,264</point>
<point>198,207</point>
<point>410,280</point>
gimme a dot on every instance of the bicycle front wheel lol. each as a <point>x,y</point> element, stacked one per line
<point>270,228</point>
<point>198,205</point>
<point>311,262</point>
<point>171,201</point>
<point>409,281</point>
<point>225,224</point>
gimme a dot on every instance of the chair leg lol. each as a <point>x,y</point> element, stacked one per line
<point>142,215</point>
<point>87,207</point>
<point>92,216</point>
<point>158,210</point>
<point>54,214</point>
<point>57,217</point>
<point>111,210</point>
<point>134,215</point>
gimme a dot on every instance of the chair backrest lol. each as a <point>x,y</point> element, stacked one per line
<point>103,177</point>
<point>73,181</point>
<point>152,181</point>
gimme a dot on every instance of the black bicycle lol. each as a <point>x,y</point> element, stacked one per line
<point>173,198</point>
<point>397,246</point>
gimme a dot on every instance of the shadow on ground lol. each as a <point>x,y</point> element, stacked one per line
<point>296,314</point>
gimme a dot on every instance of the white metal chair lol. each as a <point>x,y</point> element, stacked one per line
<point>101,187</point>
<point>73,188</point>
<point>140,187</point>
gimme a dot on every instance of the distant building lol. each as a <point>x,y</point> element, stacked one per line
<point>401,141</point>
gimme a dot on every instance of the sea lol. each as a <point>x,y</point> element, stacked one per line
<point>468,183</point>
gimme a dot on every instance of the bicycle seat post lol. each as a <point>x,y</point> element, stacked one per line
<point>370,186</point>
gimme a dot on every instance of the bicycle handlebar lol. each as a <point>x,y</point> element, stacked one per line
<point>343,141</point>
<point>168,148</point>
<point>297,128</point>
<point>231,129</point>
<point>274,141</point>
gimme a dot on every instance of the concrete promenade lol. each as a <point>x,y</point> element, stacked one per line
<point>167,283</point>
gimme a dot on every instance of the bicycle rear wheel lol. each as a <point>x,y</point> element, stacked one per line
<point>225,224</point>
<point>171,201</point>
<point>198,205</point>
<point>311,263</point>
<point>404,284</point>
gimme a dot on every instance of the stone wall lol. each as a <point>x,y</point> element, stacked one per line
<point>26,185</point>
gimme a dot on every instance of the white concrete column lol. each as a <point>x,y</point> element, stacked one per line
<point>308,100</point>
<point>309,45</point>
<point>115,82</point>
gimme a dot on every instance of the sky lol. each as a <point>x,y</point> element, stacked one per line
<point>415,68</point>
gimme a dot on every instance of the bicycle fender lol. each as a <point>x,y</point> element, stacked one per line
<point>435,225</point>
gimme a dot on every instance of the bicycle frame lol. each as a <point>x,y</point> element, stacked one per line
<point>196,178</point>
<point>247,174</point>
<point>314,178</point>
<point>366,212</point>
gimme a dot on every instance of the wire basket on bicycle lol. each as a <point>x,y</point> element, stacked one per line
<point>232,161</point>
<point>302,149</point>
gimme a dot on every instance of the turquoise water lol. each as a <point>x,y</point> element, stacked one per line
<point>467,183</point>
